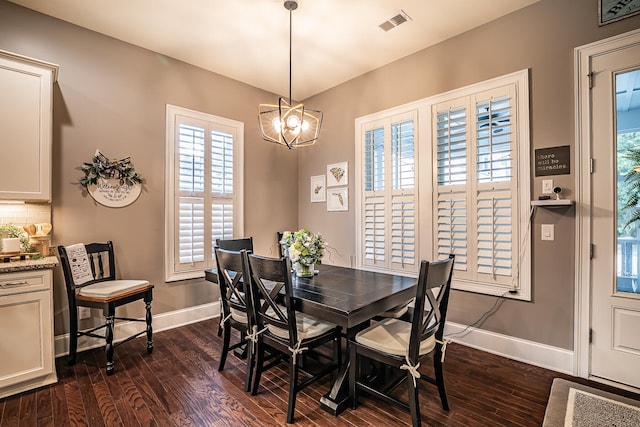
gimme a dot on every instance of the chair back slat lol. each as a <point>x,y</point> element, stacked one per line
<point>270,282</point>
<point>235,244</point>
<point>231,280</point>
<point>432,299</point>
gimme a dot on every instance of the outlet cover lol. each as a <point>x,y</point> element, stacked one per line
<point>548,232</point>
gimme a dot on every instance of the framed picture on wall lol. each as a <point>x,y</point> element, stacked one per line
<point>318,190</point>
<point>337,199</point>
<point>615,10</point>
<point>337,174</point>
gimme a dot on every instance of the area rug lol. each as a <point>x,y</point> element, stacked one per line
<point>573,404</point>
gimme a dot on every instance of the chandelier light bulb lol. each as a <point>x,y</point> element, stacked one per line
<point>305,125</point>
<point>277,126</point>
<point>293,123</point>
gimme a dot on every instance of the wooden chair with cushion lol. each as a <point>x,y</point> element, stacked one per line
<point>404,345</point>
<point>99,288</point>
<point>236,312</point>
<point>287,332</point>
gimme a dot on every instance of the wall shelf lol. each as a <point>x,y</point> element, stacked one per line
<point>552,203</point>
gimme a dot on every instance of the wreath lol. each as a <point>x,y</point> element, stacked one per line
<point>102,167</point>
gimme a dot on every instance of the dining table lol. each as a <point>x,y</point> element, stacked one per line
<point>350,298</point>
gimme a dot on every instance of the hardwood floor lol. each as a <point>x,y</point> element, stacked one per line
<point>179,385</point>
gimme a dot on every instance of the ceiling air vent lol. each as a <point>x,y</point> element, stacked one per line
<point>400,18</point>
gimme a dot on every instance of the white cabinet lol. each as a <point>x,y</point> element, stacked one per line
<point>26,120</point>
<point>26,331</point>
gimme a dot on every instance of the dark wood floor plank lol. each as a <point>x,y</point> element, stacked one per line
<point>44,404</point>
<point>179,385</point>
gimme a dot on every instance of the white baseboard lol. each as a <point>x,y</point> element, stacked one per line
<point>161,322</point>
<point>533,353</point>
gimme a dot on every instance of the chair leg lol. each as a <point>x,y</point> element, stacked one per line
<point>73,335</point>
<point>437,366</point>
<point>250,363</point>
<point>259,366</point>
<point>220,318</point>
<point>109,347</point>
<point>293,388</point>
<point>354,374</point>
<point>414,403</point>
<point>147,305</point>
<point>226,339</point>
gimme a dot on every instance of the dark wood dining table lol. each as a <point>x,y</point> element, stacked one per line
<point>350,298</point>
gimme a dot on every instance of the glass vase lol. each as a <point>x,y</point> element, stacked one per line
<point>304,270</point>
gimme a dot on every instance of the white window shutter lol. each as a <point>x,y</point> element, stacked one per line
<point>204,161</point>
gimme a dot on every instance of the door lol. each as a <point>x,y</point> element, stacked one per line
<point>615,290</point>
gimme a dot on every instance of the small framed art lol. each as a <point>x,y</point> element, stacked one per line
<point>318,190</point>
<point>337,174</point>
<point>338,199</point>
<point>615,10</point>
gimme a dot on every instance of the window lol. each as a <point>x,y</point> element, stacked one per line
<point>203,189</point>
<point>472,193</point>
<point>388,206</point>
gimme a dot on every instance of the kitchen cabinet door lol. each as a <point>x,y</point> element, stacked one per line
<point>26,118</point>
<point>26,337</point>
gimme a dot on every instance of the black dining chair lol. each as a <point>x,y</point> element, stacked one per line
<point>236,311</point>
<point>285,332</point>
<point>404,345</point>
<point>236,245</point>
<point>101,290</point>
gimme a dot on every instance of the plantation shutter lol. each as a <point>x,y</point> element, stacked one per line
<point>496,206</point>
<point>191,197</point>
<point>403,209</point>
<point>374,200</point>
<point>475,203</point>
<point>205,179</point>
<point>451,152</point>
<point>389,230</point>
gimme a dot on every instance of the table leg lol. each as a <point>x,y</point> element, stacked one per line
<point>337,400</point>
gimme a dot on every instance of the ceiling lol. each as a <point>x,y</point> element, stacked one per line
<point>248,40</point>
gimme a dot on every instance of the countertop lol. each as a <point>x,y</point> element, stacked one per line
<point>29,264</point>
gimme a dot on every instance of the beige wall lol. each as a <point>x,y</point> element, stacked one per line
<point>112,95</point>
<point>541,38</point>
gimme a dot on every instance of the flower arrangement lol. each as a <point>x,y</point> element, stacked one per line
<point>304,249</point>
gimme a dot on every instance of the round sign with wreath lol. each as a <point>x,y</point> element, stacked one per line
<point>112,183</point>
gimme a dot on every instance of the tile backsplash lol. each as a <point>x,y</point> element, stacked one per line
<point>24,214</point>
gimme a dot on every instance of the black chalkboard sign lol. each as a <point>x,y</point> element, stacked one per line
<point>553,161</point>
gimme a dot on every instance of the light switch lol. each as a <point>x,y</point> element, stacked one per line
<point>548,232</point>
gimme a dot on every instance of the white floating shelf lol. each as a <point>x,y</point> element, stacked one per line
<point>552,203</point>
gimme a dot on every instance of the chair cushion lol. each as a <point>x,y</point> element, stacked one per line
<point>392,336</point>
<point>239,316</point>
<point>308,326</point>
<point>111,288</point>
<point>395,312</point>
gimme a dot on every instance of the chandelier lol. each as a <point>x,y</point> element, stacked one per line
<point>285,123</point>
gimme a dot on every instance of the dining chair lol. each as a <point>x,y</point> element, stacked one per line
<point>236,311</point>
<point>233,245</point>
<point>285,332</point>
<point>99,288</point>
<point>404,345</point>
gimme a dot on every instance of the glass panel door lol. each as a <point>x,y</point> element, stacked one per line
<point>627,89</point>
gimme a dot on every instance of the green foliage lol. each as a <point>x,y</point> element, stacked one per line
<point>304,247</point>
<point>630,194</point>
<point>98,168</point>
<point>13,231</point>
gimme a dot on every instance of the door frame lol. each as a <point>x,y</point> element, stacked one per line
<point>583,155</point>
